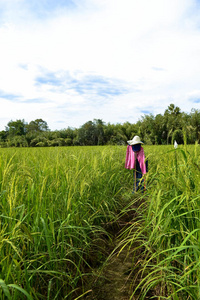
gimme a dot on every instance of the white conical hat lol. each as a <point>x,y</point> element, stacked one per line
<point>135,140</point>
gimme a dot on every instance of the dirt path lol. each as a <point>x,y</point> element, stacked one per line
<point>115,283</point>
<point>119,275</point>
<point>114,280</point>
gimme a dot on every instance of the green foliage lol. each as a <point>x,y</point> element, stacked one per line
<point>38,125</point>
<point>91,133</point>
<point>54,205</point>
<point>153,130</point>
<point>16,128</point>
<point>168,226</point>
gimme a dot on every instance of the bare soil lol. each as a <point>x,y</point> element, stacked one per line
<point>113,280</point>
<point>115,275</point>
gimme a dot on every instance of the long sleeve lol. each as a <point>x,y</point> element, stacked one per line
<point>130,159</point>
<point>141,159</point>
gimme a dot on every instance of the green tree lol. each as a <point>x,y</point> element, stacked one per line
<point>3,135</point>
<point>108,132</point>
<point>160,130</point>
<point>87,134</point>
<point>91,133</point>
<point>38,125</point>
<point>17,141</point>
<point>16,128</point>
<point>146,129</point>
<point>173,119</point>
<point>130,130</point>
<point>3,138</point>
<point>173,110</point>
<point>195,122</point>
<point>39,141</point>
<point>99,124</point>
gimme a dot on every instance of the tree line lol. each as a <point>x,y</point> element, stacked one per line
<point>161,129</point>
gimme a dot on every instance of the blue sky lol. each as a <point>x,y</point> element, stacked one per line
<point>71,61</point>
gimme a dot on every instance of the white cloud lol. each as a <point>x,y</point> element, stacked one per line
<point>151,47</point>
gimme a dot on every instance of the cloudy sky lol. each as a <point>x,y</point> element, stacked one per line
<point>71,61</point>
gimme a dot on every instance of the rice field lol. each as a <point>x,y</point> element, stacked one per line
<point>54,202</point>
<point>168,230</point>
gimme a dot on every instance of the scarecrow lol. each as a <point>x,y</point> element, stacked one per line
<point>135,159</point>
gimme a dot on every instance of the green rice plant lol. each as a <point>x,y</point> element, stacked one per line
<point>7,293</point>
<point>167,231</point>
<point>55,202</point>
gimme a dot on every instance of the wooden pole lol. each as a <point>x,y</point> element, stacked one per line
<point>135,155</point>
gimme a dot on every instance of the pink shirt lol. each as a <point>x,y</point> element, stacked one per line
<point>130,159</point>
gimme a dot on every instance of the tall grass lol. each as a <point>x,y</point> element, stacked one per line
<point>53,203</point>
<point>166,236</point>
